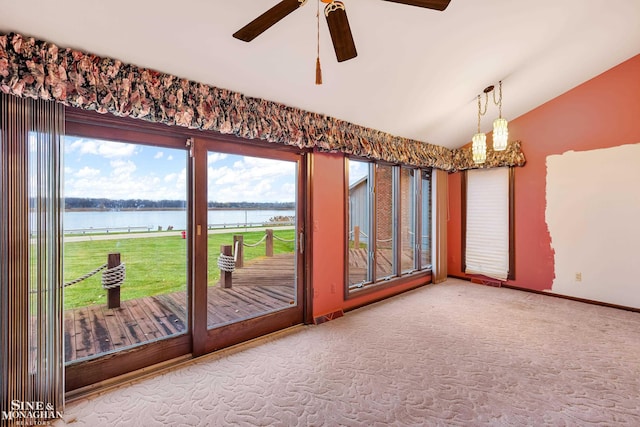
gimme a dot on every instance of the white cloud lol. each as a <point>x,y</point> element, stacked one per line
<point>253,179</point>
<point>357,170</point>
<point>289,188</point>
<point>121,171</point>
<point>230,177</point>
<point>122,168</point>
<point>215,157</point>
<point>107,149</point>
<point>176,177</point>
<point>87,172</point>
<point>124,183</point>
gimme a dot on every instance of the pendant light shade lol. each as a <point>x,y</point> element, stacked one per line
<point>479,148</point>
<point>500,134</point>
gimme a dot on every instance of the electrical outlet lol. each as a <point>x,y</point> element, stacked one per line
<point>578,277</point>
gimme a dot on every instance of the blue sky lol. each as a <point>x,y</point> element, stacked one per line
<point>357,170</point>
<point>115,170</point>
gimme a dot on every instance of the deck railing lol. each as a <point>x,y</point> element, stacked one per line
<point>147,228</point>
<point>232,256</point>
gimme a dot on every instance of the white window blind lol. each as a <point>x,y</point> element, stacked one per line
<point>487,237</point>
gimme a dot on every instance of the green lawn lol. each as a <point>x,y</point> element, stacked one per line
<point>154,265</point>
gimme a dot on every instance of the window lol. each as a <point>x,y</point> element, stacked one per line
<point>487,223</point>
<point>385,232</point>
<point>408,220</point>
<point>389,222</point>
<point>425,238</point>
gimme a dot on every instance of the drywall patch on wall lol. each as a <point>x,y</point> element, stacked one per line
<point>593,209</point>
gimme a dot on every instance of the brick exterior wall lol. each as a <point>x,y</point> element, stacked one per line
<point>384,205</point>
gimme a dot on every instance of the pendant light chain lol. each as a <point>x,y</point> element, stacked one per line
<point>479,114</point>
<point>482,112</point>
<point>499,101</point>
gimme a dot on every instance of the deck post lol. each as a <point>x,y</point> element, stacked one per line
<point>356,236</point>
<point>225,276</point>
<point>113,294</point>
<point>239,238</point>
<point>269,242</point>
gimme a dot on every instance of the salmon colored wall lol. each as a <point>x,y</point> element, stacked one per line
<point>328,281</point>
<point>385,293</point>
<point>328,232</point>
<point>602,112</point>
<point>454,231</point>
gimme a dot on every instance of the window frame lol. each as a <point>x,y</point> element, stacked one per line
<point>398,276</point>
<point>91,372</point>
<point>511,214</point>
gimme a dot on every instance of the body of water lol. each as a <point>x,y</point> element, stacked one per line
<point>151,220</point>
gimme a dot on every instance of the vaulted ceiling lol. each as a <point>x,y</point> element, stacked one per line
<point>417,72</point>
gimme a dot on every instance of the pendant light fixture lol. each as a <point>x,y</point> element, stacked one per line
<point>479,140</point>
<point>500,127</point>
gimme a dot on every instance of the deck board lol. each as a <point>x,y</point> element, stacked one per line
<point>69,335</point>
<point>142,318</point>
<point>107,334</point>
<point>263,285</point>
<point>131,327</point>
<point>83,333</point>
<point>358,263</point>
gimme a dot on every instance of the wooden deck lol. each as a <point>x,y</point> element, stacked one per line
<point>262,286</point>
<point>359,261</point>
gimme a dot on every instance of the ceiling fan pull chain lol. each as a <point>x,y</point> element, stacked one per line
<point>318,69</point>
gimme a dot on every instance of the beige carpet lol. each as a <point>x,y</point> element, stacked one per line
<point>449,354</point>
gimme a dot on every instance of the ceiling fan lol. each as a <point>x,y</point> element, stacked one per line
<point>336,16</point>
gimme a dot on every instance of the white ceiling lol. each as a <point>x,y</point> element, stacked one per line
<point>417,73</point>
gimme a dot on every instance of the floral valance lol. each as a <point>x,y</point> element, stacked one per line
<point>512,156</point>
<point>39,69</point>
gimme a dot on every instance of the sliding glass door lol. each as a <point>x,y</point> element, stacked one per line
<point>174,246</point>
<point>251,237</point>
<point>249,225</point>
<point>125,251</point>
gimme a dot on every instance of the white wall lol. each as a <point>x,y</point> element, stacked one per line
<point>593,215</point>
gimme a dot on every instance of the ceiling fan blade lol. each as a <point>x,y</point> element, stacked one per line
<point>429,4</point>
<point>340,31</point>
<point>263,22</point>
